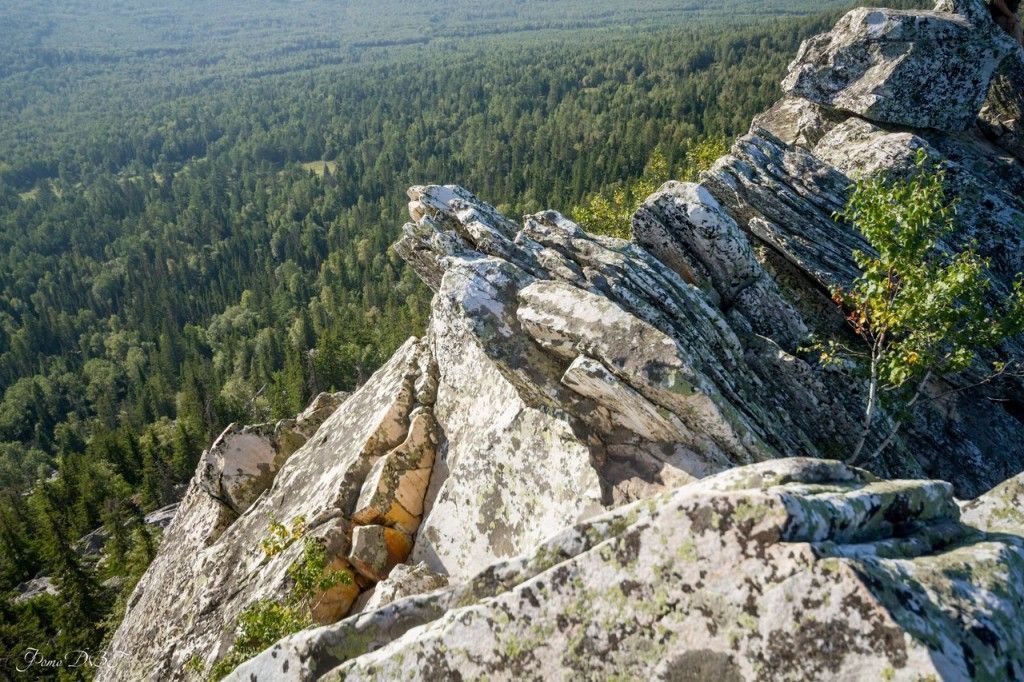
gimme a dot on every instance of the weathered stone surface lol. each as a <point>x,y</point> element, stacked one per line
<point>688,230</point>
<point>627,408</point>
<point>243,461</point>
<point>615,303</point>
<point>749,573</point>
<point>189,599</point>
<point>920,69</point>
<point>1002,114</point>
<point>405,580</point>
<point>396,485</point>
<point>797,121</point>
<point>785,197</point>
<point>378,549</point>
<point>571,321</point>
<point>507,475</point>
<point>1000,510</point>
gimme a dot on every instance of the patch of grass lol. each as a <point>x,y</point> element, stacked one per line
<point>319,167</point>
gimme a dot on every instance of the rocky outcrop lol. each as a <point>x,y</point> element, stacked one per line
<point>243,461</point>
<point>611,457</point>
<point>30,589</point>
<point>792,569</point>
<point>210,567</point>
<point>911,68</point>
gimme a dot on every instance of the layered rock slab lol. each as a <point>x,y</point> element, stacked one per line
<point>544,301</point>
<point>791,569</point>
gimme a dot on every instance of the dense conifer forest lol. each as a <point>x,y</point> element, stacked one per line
<point>195,218</point>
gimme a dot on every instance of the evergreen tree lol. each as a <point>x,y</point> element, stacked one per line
<point>80,595</point>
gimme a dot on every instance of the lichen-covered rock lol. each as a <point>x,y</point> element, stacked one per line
<point>1002,114</point>
<point>507,473</point>
<point>668,379</point>
<point>241,464</point>
<point>797,121</point>
<point>785,198</point>
<point>791,569</point>
<point>405,580</point>
<point>209,568</point>
<point>535,301</point>
<point>243,461</point>
<point>1000,510</point>
<point>688,230</point>
<point>378,549</point>
<point>912,68</point>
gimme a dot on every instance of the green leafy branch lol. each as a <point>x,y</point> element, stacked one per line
<point>919,310</point>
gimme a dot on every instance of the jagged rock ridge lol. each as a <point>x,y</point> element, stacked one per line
<point>563,375</point>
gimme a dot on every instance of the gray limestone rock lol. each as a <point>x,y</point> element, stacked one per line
<point>35,588</point>
<point>404,581</point>
<point>911,68</point>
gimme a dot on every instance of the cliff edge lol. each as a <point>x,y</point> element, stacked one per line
<point>610,457</point>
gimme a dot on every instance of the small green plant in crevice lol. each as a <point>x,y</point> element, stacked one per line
<point>280,537</point>
<point>266,621</point>
<point>193,667</point>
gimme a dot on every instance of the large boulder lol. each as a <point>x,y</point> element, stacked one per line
<point>792,569</point>
<point>912,68</point>
<point>243,460</point>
